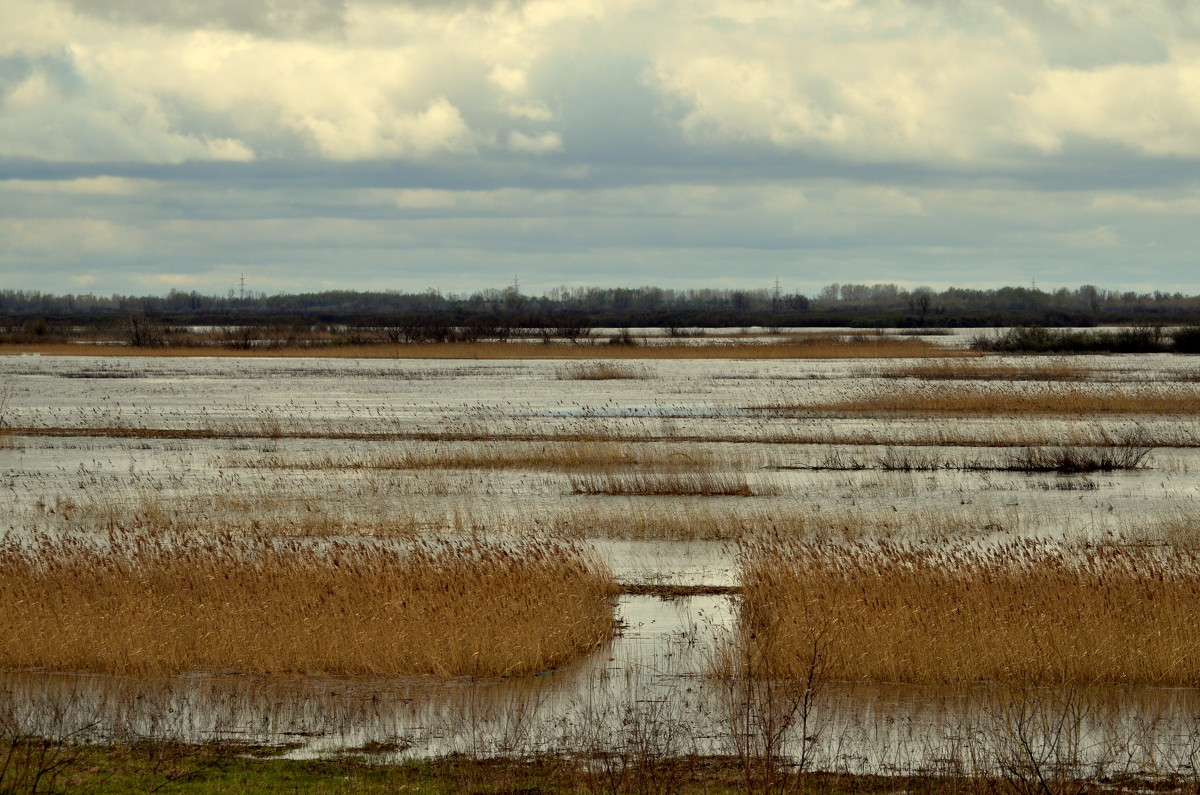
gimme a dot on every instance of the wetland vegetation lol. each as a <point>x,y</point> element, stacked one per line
<point>753,564</point>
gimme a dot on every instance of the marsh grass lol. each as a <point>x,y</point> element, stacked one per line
<point>1073,460</point>
<point>986,370</point>
<point>1022,612</point>
<point>635,517</point>
<point>547,456</point>
<point>602,371</point>
<point>971,400</point>
<point>1129,451</point>
<point>160,603</point>
<point>261,510</point>
<point>811,346</point>
<point>702,484</point>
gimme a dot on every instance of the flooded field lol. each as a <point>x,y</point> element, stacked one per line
<point>668,474</point>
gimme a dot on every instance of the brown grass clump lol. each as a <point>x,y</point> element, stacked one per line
<point>162,603</point>
<point>964,401</point>
<point>813,347</point>
<point>1027,612</point>
<point>703,484</point>
<point>548,456</point>
<point>601,371</point>
<point>985,370</point>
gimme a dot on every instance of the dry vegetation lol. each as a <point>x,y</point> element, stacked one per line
<point>602,371</point>
<point>544,456</point>
<point>967,401</point>
<point>807,346</point>
<point>702,484</point>
<point>154,603</point>
<point>1127,451</point>
<point>332,513</point>
<point>986,370</point>
<point>1024,612</point>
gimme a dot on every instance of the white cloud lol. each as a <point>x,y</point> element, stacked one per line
<point>861,135</point>
<point>1152,108</point>
<point>48,237</point>
<point>85,186</point>
<point>918,83</point>
<point>535,144</point>
<point>1147,205</point>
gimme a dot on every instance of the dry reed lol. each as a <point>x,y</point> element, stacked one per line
<point>985,370</point>
<point>154,603</point>
<point>601,371</point>
<point>548,456</point>
<point>1176,434</point>
<point>1024,612</point>
<point>811,347</point>
<point>965,401</point>
<point>703,484</point>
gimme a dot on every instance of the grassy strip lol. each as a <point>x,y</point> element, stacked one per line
<point>1130,453</point>
<point>645,484</point>
<point>985,370</point>
<point>974,401</point>
<point>1137,339</point>
<point>805,347</point>
<point>157,603</point>
<point>548,456</point>
<point>231,768</point>
<point>1082,434</point>
<point>602,371</point>
<point>1024,613</point>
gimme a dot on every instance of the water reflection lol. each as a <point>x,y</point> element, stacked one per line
<point>647,692</point>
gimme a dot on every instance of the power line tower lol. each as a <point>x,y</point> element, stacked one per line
<point>242,286</point>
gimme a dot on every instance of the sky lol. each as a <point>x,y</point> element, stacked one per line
<point>459,145</point>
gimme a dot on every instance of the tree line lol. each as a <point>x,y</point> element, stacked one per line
<point>568,311</point>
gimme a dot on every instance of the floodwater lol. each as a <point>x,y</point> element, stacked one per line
<point>254,427</point>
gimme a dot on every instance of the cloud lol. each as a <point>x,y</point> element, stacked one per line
<point>86,186</point>
<point>50,110</point>
<point>1154,109</point>
<point>391,141</point>
<point>267,17</point>
<point>977,87</point>
<point>535,144</point>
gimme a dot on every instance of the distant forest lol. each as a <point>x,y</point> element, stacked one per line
<point>576,310</point>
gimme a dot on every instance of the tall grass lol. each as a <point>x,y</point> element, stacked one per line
<point>159,603</point>
<point>803,347</point>
<point>1036,339</point>
<point>601,371</point>
<point>549,456</point>
<point>972,400</point>
<point>1130,451</point>
<point>1024,612</point>
<point>1056,369</point>
<point>702,484</point>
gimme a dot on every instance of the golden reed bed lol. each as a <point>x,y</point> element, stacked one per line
<point>159,603</point>
<point>1022,613</point>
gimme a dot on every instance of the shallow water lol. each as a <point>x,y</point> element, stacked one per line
<point>652,677</point>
